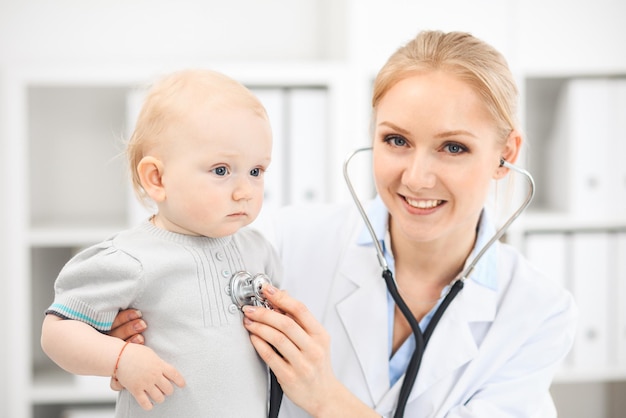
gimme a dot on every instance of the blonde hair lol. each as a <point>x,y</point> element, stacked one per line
<point>169,101</point>
<point>463,55</point>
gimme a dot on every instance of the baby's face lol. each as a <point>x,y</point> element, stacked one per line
<point>213,172</point>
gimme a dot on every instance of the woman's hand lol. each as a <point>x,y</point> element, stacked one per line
<point>303,367</point>
<point>127,326</point>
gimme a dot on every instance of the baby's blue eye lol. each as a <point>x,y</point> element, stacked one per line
<point>220,171</point>
<point>255,172</point>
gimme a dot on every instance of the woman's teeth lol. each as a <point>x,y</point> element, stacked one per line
<point>423,204</point>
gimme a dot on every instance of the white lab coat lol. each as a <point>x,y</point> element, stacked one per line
<point>493,354</point>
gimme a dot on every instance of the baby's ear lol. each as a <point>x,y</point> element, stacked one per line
<point>510,152</point>
<point>150,170</point>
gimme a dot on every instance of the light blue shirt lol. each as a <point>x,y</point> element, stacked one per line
<point>484,274</point>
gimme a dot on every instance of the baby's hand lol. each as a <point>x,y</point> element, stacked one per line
<point>146,376</point>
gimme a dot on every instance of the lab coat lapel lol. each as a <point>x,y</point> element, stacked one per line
<point>453,343</point>
<point>364,315</point>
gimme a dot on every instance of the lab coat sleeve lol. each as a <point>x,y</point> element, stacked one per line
<point>520,386</point>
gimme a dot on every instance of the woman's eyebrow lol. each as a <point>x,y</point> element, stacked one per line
<point>394,127</point>
<point>443,134</point>
<point>457,132</point>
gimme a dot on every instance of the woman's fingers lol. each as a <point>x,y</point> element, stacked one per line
<point>302,364</point>
<point>128,325</point>
<point>280,330</point>
<point>277,330</point>
<point>270,356</point>
<point>282,302</point>
<point>299,338</point>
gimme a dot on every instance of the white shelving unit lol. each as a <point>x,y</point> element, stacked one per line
<point>63,185</point>
<point>576,229</point>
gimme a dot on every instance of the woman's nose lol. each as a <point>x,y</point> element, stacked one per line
<point>419,173</point>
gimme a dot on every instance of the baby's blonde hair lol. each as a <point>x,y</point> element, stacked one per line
<point>168,102</point>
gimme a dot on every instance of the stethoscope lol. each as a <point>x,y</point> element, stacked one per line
<point>421,338</point>
<point>244,289</point>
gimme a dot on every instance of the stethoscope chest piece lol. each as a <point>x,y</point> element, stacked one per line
<point>245,289</point>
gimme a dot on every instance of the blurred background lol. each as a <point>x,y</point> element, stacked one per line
<point>72,75</point>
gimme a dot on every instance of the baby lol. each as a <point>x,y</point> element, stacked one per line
<point>200,149</point>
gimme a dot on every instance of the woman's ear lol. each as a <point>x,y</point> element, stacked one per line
<point>150,170</point>
<point>510,152</point>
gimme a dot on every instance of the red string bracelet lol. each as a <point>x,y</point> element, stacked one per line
<point>117,362</point>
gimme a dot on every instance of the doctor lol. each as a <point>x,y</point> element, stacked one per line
<point>444,110</point>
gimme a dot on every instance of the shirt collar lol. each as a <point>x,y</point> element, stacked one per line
<point>484,272</point>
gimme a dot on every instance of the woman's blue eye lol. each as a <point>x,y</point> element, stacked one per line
<point>220,171</point>
<point>255,172</point>
<point>455,148</point>
<point>395,140</point>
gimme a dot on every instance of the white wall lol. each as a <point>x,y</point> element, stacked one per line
<point>137,30</point>
<point>533,34</point>
<point>585,36</point>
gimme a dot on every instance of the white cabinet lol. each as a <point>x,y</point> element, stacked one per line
<point>576,228</point>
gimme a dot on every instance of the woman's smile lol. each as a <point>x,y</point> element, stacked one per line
<point>423,203</point>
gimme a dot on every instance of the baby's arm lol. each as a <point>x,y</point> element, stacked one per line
<point>80,349</point>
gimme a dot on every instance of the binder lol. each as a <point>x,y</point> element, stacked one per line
<point>619,283</point>
<point>578,150</point>
<point>590,261</point>
<point>308,132</point>
<point>617,148</point>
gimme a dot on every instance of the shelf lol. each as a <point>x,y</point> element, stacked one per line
<point>535,222</point>
<point>71,235</point>
<point>589,376</point>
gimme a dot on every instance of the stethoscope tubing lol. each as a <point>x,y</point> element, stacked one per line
<point>421,339</point>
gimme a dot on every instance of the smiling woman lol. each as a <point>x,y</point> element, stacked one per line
<point>434,173</point>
